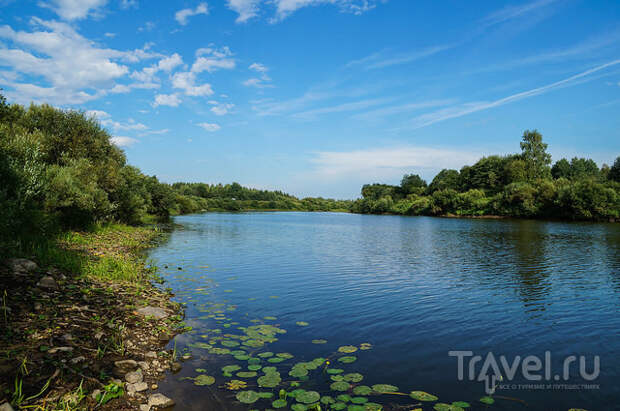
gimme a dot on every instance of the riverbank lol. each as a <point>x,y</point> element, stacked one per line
<point>84,326</point>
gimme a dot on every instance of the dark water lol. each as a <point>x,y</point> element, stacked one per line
<point>413,287</point>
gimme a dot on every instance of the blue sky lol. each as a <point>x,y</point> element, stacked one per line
<point>317,97</point>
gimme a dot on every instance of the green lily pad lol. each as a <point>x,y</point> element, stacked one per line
<point>340,386</point>
<point>344,398</point>
<point>298,407</point>
<point>204,380</point>
<point>446,407</point>
<point>355,407</point>
<point>382,388</point>
<point>308,397</point>
<point>461,404</point>
<point>302,323</point>
<point>270,380</point>
<point>230,343</point>
<point>265,354</point>
<point>275,360</point>
<point>326,399</point>
<point>347,359</point>
<point>487,400</point>
<point>270,318</point>
<point>254,367</point>
<point>347,349</point>
<point>284,355</point>
<point>319,341</point>
<point>372,406</point>
<point>362,390</point>
<point>422,396</point>
<point>339,406</point>
<point>248,397</point>
<point>265,394</point>
<point>280,403</point>
<point>359,400</point>
<point>231,368</point>
<point>246,374</point>
<point>353,377</point>
<point>334,370</point>
<point>298,372</point>
<point>337,377</point>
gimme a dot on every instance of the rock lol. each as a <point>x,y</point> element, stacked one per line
<point>175,367</point>
<point>77,359</point>
<point>37,306</point>
<point>60,349</point>
<point>47,283</point>
<point>160,401</point>
<point>134,376</point>
<point>153,386</point>
<point>145,407</point>
<point>155,312</point>
<point>144,365</point>
<point>95,394</point>
<point>186,357</point>
<point>6,407</point>
<point>66,337</point>
<point>140,386</point>
<point>150,354</point>
<point>125,366</point>
<point>22,265</point>
<point>98,335</point>
<point>164,337</point>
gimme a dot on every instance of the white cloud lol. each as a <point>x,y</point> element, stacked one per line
<point>381,60</point>
<point>210,60</point>
<point>513,12</point>
<point>186,81</point>
<point>171,100</point>
<point>345,107</point>
<point>284,8</point>
<point>246,9</point>
<point>74,9</point>
<point>261,68</point>
<point>121,141</point>
<point>261,82</point>
<point>383,163</point>
<point>148,75</point>
<point>67,67</point>
<point>181,16</point>
<point>222,109</point>
<point>472,107</point>
<point>211,127</point>
<point>98,114</point>
<point>127,4</point>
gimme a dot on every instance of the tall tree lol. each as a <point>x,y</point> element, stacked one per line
<point>614,171</point>
<point>534,153</point>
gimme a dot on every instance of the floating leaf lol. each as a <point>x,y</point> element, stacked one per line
<point>446,407</point>
<point>230,343</point>
<point>353,377</point>
<point>347,349</point>
<point>348,359</point>
<point>302,323</point>
<point>337,377</point>
<point>359,400</point>
<point>265,354</point>
<point>382,388</point>
<point>284,355</point>
<point>344,398</point>
<point>340,386</point>
<point>308,397</point>
<point>231,368</point>
<point>334,370</point>
<point>270,380</point>
<point>298,372</point>
<point>254,367</point>
<point>269,318</point>
<point>279,403</point>
<point>422,396</point>
<point>246,374</point>
<point>371,406</point>
<point>319,341</point>
<point>487,400</point>
<point>326,399</point>
<point>339,406</point>
<point>234,385</point>
<point>265,394</point>
<point>461,404</point>
<point>248,397</point>
<point>204,380</point>
<point>298,407</point>
<point>365,346</point>
<point>362,390</point>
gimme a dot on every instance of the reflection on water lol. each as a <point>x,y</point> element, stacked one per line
<point>415,288</point>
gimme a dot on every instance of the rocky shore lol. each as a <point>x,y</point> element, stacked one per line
<point>71,341</point>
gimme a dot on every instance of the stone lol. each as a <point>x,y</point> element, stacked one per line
<point>144,365</point>
<point>22,265</point>
<point>95,394</point>
<point>175,367</point>
<point>125,366</point>
<point>155,312</point>
<point>145,407</point>
<point>140,386</point>
<point>66,337</point>
<point>37,306</point>
<point>160,401</point>
<point>48,283</point>
<point>98,335</point>
<point>60,349</point>
<point>6,407</point>
<point>134,376</point>
<point>153,386</point>
<point>150,354</point>
<point>77,359</point>
<point>186,357</point>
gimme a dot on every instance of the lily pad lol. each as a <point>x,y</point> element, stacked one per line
<point>383,388</point>
<point>347,359</point>
<point>422,396</point>
<point>365,346</point>
<point>308,397</point>
<point>235,385</point>
<point>347,349</point>
<point>461,404</point>
<point>302,323</point>
<point>231,368</point>
<point>353,377</point>
<point>446,407</point>
<point>270,380</point>
<point>204,380</point>
<point>298,407</point>
<point>246,374</point>
<point>284,355</point>
<point>265,354</point>
<point>362,390</point>
<point>275,360</point>
<point>334,370</point>
<point>340,386</point>
<point>254,367</point>
<point>359,400</point>
<point>339,406</point>
<point>487,400</point>
<point>279,403</point>
<point>319,341</point>
<point>248,397</point>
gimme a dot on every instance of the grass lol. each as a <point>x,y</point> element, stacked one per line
<point>109,252</point>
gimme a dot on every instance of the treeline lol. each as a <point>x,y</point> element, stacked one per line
<point>59,169</point>
<point>518,185</point>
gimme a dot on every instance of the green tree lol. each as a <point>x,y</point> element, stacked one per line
<point>445,179</point>
<point>412,184</point>
<point>534,153</point>
<point>614,171</point>
<point>561,169</point>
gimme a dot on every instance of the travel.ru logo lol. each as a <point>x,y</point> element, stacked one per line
<point>532,369</point>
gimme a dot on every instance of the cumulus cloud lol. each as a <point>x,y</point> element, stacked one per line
<point>74,9</point>
<point>258,82</point>
<point>211,127</point>
<point>171,100</point>
<point>182,16</point>
<point>246,9</point>
<point>122,141</point>
<point>210,59</point>
<point>148,74</point>
<point>186,81</point>
<point>222,109</point>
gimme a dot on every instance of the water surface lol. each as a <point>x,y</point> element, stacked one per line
<point>413,287</point>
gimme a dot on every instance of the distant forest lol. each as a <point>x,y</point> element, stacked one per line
<point>522,185</point>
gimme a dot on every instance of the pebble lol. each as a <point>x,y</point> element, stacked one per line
<point>60,349</point>
<point>150,354</point>
<point>48,283</point>
<point>37,306</point>
<point>153,386</point>
<point>176,367</point>
<point>77,360</point>
<point>155,312</point>
<point>134,376</point>
<point>144,365</point>
<point>6,407</point>
<point>145,407</point>
<point>125,366</point>
<point>160,400</point>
